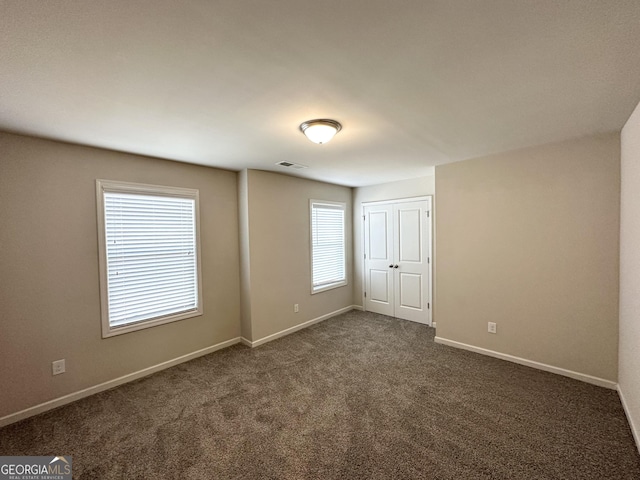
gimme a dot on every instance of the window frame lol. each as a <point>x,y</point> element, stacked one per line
<point>341,283</point>
<point>112,186</point>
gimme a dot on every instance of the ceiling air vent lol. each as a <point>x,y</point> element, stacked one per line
<point>291,165</point>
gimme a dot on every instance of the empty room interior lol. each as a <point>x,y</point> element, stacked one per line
<point>299,239</point>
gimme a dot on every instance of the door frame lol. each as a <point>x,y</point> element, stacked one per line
<point>363,273</point>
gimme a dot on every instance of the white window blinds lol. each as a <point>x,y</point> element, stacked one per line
<point>327,245</point>
<point>151,256</point>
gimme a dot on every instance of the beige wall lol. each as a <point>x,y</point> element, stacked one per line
<point>529,239</point>
<point>415,187</point>
<point>629,342</point>
<point>280,256</point>
<point>245,254</point>
<point>49,292</point>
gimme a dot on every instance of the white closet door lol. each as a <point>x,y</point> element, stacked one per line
<point>397,239</point>
<point>411,257</point>
<point>379,276</point>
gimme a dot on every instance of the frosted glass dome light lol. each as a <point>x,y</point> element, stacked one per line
<point>321,130</point>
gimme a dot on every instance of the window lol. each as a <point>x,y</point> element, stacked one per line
<point>149,255</point>
<point>328,265</point>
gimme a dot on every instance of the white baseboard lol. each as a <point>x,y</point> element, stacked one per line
<point>288,331</point>
<point>72,397</point>
<point>601,382</point>
<point>634,431</point>
<point>357,307</point>
<point>433,324</point>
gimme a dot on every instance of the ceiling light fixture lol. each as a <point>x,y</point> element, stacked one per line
<point>320,130</point>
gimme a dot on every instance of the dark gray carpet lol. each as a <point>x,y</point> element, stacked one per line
<point>357,396</point>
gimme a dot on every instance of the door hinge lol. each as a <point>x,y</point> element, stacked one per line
<point>428,260</point>
<point>364,217</point>
<point>365,256</point>
<point>365,294</point>
<point>428,305</point>
<point>428,213</point>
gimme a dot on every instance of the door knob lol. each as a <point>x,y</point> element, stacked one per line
<point>390,266</point>
<point>395,266</point>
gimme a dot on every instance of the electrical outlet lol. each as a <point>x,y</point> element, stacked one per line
<point>492,328</point>
<point>296,309</point>
<point>58,367</point>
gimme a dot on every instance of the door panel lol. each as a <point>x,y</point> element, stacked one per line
<point>410,286</point>
<point>379,286</point>
<point>409,233</point>
<point>378,236</point>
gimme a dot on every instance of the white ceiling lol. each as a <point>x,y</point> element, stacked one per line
<point>415,83</point>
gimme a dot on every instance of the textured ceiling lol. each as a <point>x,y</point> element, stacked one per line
<point>226,83</point>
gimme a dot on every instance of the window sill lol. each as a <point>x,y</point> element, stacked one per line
<point>330,286</point>
<point>109,331</point>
